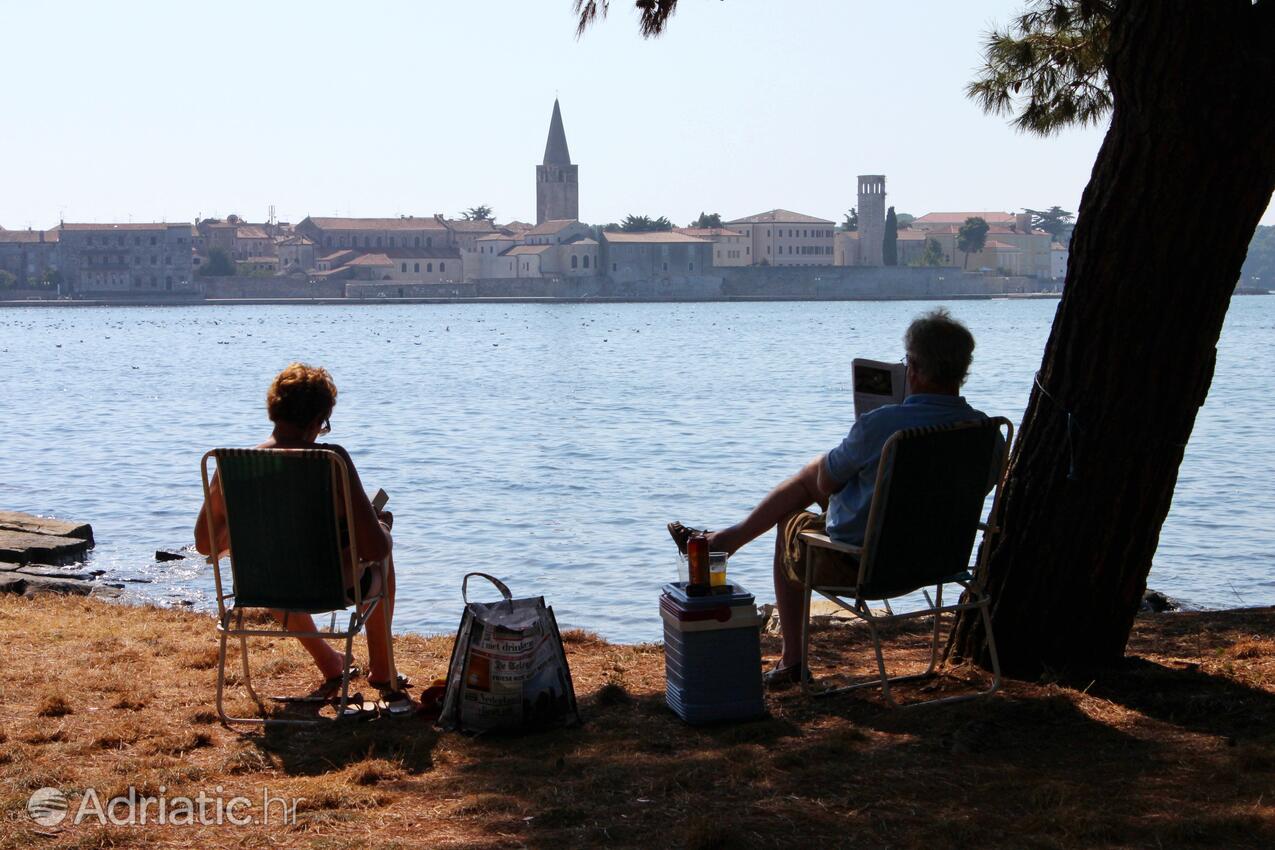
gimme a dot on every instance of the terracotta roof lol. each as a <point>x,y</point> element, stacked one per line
<point>14,236</point>
<point>552,226</point>
<point>959,217</point>
<point>998,246</point>
<point>1057,246</point>
<point>707,232</point>
<point>470,226</point>
<point>581,240</point>
<point>498,237</point>
<point>515,225</point>
<point>401,223</point>
<point>781,216</point>
<point>519,250</point>
<point>370,260</point>
<point>654,237</point>
<point>296,240</point>
<point>250,231</point>
<point>154,225</point>
<point>338,256</point>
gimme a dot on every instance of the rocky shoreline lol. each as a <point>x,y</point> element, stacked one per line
<point>46,555</point>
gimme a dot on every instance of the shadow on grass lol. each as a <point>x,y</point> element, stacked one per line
<point>333,746</point>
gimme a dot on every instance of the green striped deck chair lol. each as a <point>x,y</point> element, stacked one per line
<point>926,508</point>
<point>290,550</point>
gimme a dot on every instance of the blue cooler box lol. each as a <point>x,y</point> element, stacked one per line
<point>712,654</point>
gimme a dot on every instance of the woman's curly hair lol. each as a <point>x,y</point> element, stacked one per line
<point>301,395</point>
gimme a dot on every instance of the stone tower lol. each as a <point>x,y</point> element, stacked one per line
<point>871,218</point>
<point>557,180</point>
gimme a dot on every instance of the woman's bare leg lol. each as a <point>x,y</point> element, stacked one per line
<point>326,658</point>
<point>379,627</point>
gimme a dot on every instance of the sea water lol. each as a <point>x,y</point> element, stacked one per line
<point>550,444</point>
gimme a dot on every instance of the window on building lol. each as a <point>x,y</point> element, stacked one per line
<point>692,267</point>
<point>442,267</point>
<point>416,267</point>
<point>429,241</point>
<point>153,240</point>
<point>378,241</point>
<point>404,268</point>
<point>613,267</point>
<point>391,241</point>
<point>416,243</point>
<point>429,267</point>
<point>586,261</point>
<point>575,261</point>
<point>666,267</point>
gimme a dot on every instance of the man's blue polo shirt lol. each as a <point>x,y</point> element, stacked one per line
<point>854,463</point>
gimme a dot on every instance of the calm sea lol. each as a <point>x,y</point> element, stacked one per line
<point>550,444</point>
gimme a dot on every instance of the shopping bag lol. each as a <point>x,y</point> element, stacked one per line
<point>508,669</point>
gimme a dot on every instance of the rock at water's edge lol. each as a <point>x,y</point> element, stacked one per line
<point>16,521</point>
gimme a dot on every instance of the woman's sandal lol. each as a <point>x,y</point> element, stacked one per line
<point>359,709</point>
<point>326,690</point>
<point>395,702</point>
<point>682,533</point>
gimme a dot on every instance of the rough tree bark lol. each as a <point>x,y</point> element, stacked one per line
<point>1183,176</point>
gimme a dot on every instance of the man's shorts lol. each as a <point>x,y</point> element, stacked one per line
<point>831,568</point>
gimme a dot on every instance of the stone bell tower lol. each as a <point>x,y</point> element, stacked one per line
<point>871,219</point>
<point>557,180</point>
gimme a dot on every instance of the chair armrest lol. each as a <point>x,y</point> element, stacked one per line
<point>823,541</point>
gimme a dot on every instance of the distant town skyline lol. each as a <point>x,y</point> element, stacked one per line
<point>147,111</point>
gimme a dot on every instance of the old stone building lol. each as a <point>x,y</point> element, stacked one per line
<point>662,255</point>
<point>123,258</point>
<point>557,179</point>
<point>730,247</point>
<point>369,234</point>
<point>781,237</point>
<point>28,255</point>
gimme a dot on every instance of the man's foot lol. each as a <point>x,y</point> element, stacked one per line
<point>783,677</point>
<point>681,534</point>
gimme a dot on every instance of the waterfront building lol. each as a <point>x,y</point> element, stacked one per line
<point>416,265</point>
<point>124,258</point>
<point>661,255</point>
<point>1012,246</point>
<point>730,247</point>
<point>296,254</point>
<point>557,178</point>
<point>369,234</point>
<point>28,254</point>
<point>782,237</point>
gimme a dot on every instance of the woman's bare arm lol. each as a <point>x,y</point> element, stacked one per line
<point>373,541</point>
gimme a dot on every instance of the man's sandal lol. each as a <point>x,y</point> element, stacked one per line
<point>325,692</point>
<point>394,700</point>
<point>681,534</point>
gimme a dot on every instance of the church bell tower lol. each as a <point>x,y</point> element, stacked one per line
<point>557,180</point>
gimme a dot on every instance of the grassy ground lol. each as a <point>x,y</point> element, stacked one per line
<point>1174,749</point>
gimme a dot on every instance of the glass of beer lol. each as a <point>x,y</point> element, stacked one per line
<point>717,569</point>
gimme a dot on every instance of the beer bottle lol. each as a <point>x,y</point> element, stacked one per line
<point>697,562</point>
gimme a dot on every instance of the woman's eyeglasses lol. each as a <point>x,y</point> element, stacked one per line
<point>327,427</point>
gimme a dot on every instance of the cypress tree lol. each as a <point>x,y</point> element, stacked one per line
<point>890,242</point>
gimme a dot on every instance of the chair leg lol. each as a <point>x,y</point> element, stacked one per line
<point>243,655</point>
<point>221,675</point>
<point>885,680</point>
<point>803,662</point>
<point>938,623</point>
<point>991,644</point>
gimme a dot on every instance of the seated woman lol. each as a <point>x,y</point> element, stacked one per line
<point>300,402</point>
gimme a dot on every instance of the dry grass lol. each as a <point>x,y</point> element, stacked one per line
<point>1174,749</point>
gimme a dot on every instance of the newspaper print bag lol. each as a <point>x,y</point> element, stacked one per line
<point>508,669</point>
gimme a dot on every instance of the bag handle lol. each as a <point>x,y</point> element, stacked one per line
<point>500,585</point>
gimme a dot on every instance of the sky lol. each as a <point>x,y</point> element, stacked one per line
<point>165,111</point>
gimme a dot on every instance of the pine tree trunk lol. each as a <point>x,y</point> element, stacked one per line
<point>1183,176</point>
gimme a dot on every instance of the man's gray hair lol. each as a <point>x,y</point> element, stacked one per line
<point>939,347</point>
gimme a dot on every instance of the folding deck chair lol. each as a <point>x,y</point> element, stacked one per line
<point>930,488</point>
<point>284,509</point>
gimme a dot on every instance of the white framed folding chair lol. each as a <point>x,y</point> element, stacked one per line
<point>930,489</point>
<point>292,550</point>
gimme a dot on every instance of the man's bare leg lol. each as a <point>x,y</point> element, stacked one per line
<point>789,596</point>
<point>792,496</point>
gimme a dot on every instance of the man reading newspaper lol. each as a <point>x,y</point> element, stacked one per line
<point>939,350</point>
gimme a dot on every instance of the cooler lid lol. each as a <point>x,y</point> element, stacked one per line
<point>732,594</point>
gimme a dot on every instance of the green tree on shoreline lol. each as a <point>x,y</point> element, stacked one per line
<point>1094,466</point>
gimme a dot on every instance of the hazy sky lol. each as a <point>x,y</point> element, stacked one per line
<point>168,110</point>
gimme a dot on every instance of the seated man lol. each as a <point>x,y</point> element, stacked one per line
<point>939,350</point>
<point>299,403</point>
